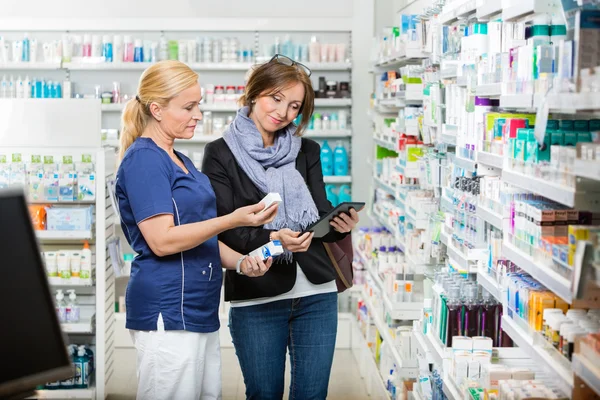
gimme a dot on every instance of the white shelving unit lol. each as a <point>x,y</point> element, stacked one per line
<point>71,127</point>
<point>337,179</point>
<point>588,169</point>
<point>491,160</point>
<point>490,217</point>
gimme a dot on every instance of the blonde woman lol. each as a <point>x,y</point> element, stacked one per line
<point>169,216</point>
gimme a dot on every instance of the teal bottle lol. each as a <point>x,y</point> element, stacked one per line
<point>344,195</point>
<point>331,196</point>
<point>340,160</point>
<point>326,159</point>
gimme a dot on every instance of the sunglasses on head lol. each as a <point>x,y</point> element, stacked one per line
<point>281,59</point>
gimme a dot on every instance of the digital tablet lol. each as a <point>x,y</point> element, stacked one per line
<point>322,227</point>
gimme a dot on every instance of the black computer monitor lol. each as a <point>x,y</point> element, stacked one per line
<point>32,345</point>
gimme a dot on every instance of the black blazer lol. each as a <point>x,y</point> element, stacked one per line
<point>234,189</point>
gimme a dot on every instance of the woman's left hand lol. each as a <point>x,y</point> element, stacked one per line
<point>254,266</point>
<point>344,223</point>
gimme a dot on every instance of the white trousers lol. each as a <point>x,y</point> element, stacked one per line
<point>177,365</point>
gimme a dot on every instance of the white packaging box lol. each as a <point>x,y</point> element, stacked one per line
<point>474,373</point>
<point>269,200</point>
<point>522,374</point>
<point>271,249</point>
<point>405,345</point>
<point>482,343</point>
<point>461,362</point>
<point>491,374</point>
<point>462,343</point>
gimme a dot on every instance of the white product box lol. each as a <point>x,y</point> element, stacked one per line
<point>461,362</point>
<point>269,200</point>
<point>522,374</point>
<point>491,374</point>
<point>462,343</point>
<point>474,373</point>
<point>271,249</point>
<point>405,345</point>
<point>69,218</point>
<point>482,343</point>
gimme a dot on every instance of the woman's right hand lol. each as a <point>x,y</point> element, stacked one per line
<point>293,241</point>
<point>252,215</point>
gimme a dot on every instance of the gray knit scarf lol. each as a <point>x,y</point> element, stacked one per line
<point>273,170</point>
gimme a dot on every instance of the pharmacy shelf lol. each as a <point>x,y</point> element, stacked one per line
<point>389,105</point>
<point>366,359</point>
<point>463,11</point>
<point>140,66</point>
<point>422,346</point>
<point>384,143</point>
<point>62,394</point>
<point>383,222</point>
<point>573,102</point>
<point>446,204</point>
<point>588,169</point>
<point>491,90</point>
<point>337,179</point>
<point>449,73</point>
<point>330,66</point>
<point>438,351</point>
<point>462,260</point>
<point>450,390</point>
<point>384,186</point>
<point>216,107</point>
<point>490,217</point>
<point>488,9</point>
<point>542,273</point>
<point>333,102</point>
<point>113,107</point>
<point>587,371</point>
<point>328,134</point>
<point>466,164</point>
<point>553,191</point>
<point>461,81</point>
<point>84,327</point>
<point>384,331</point>
<point>490,285</point>
<point>64,235</point>
<point>517,101</point>
<point>410,56</point>
<point>544,356</point>
<point>30,66</point>
<point>526,8</point>
<point>490,159</point>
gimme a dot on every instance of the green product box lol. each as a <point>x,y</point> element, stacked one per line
<point>584,137</point>
<point>522,135</point>
<point>594,125</point>
<point>557,138</point>
<point>531,148</point>
<point>581,126</point>
<point>543,152</point>
<point>552,125</point>
<point>570,138</point>
<point>566,125</point>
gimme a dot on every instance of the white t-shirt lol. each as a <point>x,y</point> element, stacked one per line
<point>302,288</point>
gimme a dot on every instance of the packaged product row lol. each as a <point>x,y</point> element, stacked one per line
<point>399,341</point>
<point>61,218</point>
<point>393,41</point>
<point>67,311</point>
<point>404,83</point>
<point>82,357</point>
<point>460,309</point>
<point>69,267</point>
<point>109,48</point>
<point>49,178</point>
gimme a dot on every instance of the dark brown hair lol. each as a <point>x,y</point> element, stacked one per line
<point>273,77</point>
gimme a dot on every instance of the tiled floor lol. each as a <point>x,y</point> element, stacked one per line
<point>345,383</point>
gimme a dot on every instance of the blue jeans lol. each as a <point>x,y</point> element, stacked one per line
<point>262,335</point>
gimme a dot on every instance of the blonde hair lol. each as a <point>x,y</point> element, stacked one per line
<point>159,83</point>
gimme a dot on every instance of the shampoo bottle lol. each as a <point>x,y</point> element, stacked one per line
<point>340,158</point>
<point>344,195</point>
<point>107,49</point>
<point>326,159</point>
<point>331,196</point>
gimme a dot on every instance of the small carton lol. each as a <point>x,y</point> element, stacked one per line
<point>270,200</point>
<point>271,249</point>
